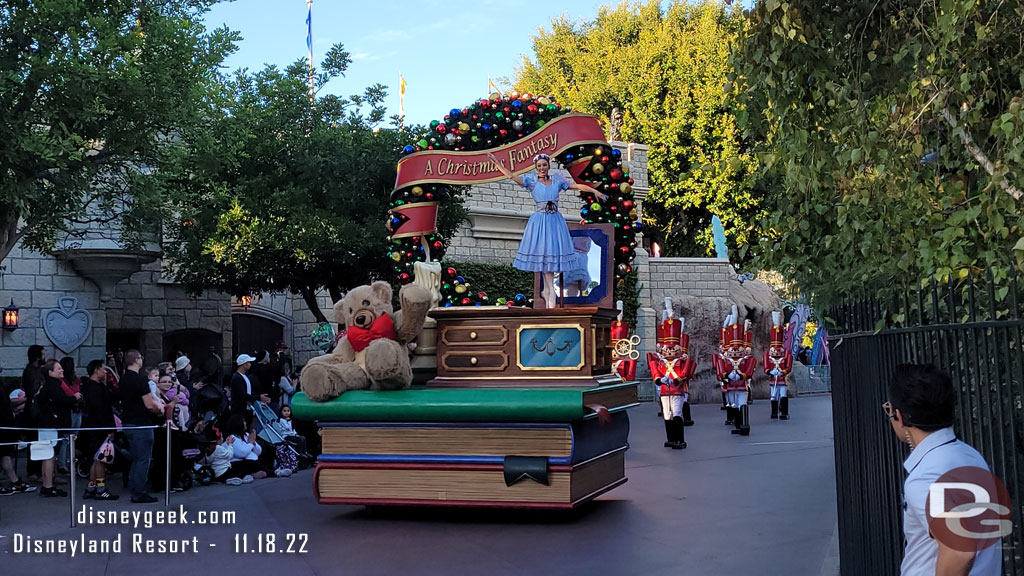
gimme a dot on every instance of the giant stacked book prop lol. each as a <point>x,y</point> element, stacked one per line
<point>524,411</point>
<point>524,448</point>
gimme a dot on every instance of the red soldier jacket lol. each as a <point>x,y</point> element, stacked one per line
<point>680,370</point>
<point>784,364</point>
<point>724,366</point>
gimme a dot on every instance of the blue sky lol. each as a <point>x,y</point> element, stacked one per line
<point>445,50</point>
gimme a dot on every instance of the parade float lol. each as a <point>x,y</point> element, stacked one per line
<point>524,407</point>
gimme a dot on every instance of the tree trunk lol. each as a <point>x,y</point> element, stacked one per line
<point>979,156</point>
<point>9,234</point>
<point>309,295</point>
<point>335,293</point>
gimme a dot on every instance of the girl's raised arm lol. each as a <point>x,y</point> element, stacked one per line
<point>503,170</point>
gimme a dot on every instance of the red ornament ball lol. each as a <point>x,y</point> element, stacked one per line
<point>404,278</point>
<point>450,271</point>
<point>532,108</point>
<point>441,128</point>
<point>465,301</point>
<point>615,174</point>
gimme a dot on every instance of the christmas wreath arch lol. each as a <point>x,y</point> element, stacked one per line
<point>514,127</point>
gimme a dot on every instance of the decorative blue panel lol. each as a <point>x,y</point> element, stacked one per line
<point>550,347</point>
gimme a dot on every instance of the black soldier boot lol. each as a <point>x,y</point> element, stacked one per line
<point>687,420</point>
<point>670,437</point>
<point>680,436</point>
<point>730,415</point>
<point>744,421</point>
<point>775,409</point>
<point>784,408</point>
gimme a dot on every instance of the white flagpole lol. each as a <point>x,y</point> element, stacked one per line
<point>309,45</point>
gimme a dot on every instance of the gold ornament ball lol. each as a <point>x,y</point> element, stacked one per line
<point>417,191</point>
<point>461,289</point>
<point>396,256</point>
<point>598,169</point>
<point>632,214</point>
<point>625,188</point>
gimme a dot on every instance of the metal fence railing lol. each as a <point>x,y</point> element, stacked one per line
<point>972,329</point>
<point>812,379</point>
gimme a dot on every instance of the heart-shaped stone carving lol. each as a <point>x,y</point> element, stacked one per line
<point>66,326</point>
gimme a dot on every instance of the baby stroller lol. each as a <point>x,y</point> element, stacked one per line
<point>268,428</point>
<point>208,403</point>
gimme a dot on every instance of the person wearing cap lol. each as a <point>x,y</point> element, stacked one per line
<point>183,371</point>
<point>672,368</point>
<point>920,409</point>
<point>242,393</point>
<point>778,363</point>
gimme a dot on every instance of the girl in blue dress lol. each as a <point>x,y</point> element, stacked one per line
<point>546,247</point>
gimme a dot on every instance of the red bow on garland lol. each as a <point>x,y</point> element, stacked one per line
<point>360,338</point>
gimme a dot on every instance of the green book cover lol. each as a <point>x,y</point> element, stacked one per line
<point>455,405</point>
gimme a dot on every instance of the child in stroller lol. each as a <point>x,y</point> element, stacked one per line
<point>289,447</point>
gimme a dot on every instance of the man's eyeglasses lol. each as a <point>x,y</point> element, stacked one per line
<point>887,408</point>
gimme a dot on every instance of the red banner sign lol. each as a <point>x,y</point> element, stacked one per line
<point>422,219</point>
<point>463,168</point>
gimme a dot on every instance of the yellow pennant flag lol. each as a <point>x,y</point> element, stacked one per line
<point>492,86</point>
<point>401,95</point>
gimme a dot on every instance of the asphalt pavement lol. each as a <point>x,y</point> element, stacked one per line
<point>727,505</point>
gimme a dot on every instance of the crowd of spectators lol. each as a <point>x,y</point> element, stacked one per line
<point>123,409</point>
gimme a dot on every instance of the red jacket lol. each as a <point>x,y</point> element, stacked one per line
<point>679,369</point>
<point>784,364</point>
<point>725,366</point>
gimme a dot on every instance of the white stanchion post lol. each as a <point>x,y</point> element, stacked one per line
<point>72,472</point>
<point>167,463</point>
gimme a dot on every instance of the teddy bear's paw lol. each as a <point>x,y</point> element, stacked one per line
<point>316,382</point>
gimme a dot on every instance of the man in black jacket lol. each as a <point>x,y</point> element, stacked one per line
<point>31,382</point>
<point>99,413</point>
<point>243,392</point>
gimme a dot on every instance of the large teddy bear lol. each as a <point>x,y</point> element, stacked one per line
<point>373,354</point>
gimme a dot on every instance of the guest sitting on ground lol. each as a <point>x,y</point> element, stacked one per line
<point>246,451</point>
<point>218,457</point>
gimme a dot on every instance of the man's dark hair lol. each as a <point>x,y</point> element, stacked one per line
<point>35,353</point>
<point>93,366</point>
<point>924,395</point>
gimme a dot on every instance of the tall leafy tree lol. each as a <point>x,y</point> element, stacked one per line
<point>665,69</point>
<point>89,94</point>
<point>893,135</point>
<point>281,191</point>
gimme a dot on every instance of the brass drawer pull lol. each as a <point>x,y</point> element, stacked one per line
<point>473,360</point>
<point>472,335</point>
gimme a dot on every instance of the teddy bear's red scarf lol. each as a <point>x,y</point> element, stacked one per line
<point>360,338</point>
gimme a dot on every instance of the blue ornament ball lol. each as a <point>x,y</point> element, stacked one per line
<point>616,153</point>
<point>570,157</point>
<point>408,149</point>
<point>637,225</point>
<point>455,113</point>
<point>520,298</point>
<point>517,104</point>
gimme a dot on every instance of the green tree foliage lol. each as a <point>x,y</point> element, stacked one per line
<point>281,193</point>
<point>89,92</point>
<point>665,69</point>
<point>893,134</point>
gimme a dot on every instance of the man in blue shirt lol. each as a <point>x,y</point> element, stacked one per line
<point>920,408</point>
